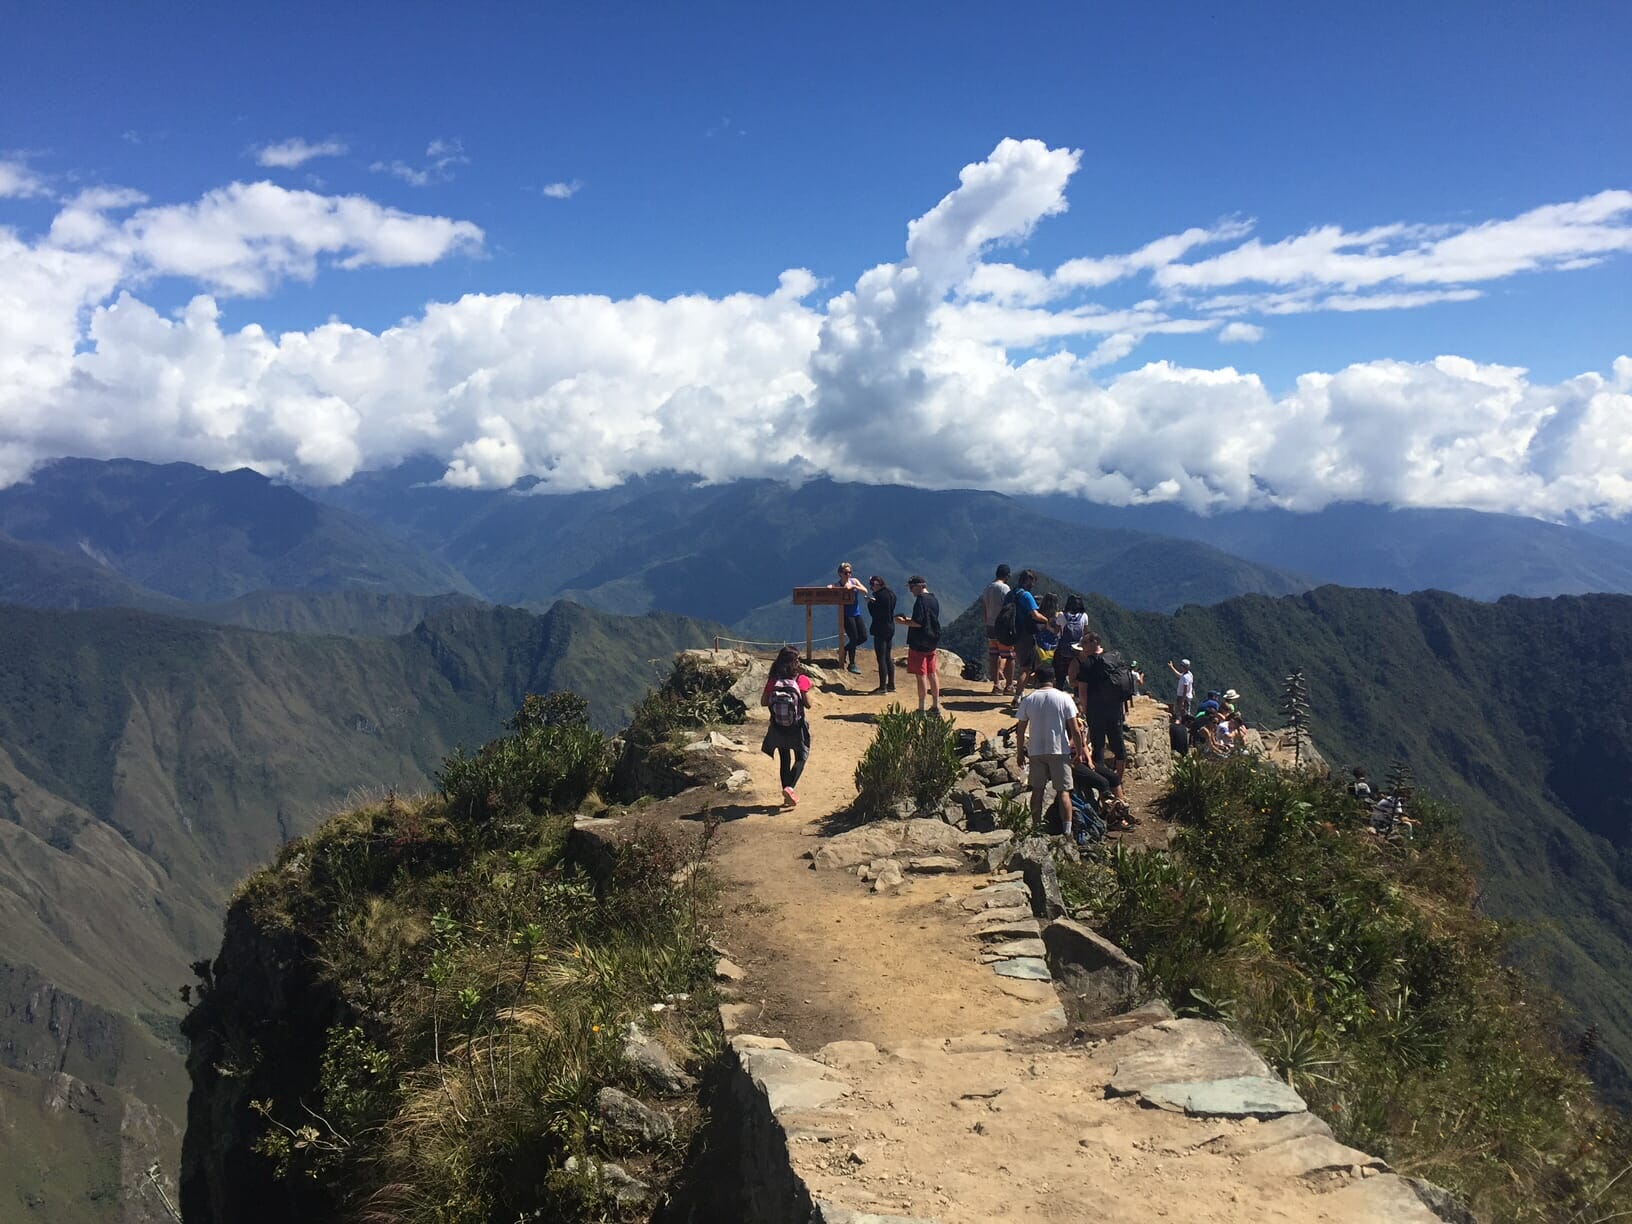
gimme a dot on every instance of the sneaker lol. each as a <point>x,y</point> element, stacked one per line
<point>789,799</point>
<point>878,690</point>
<point>853,669</point>
<point>892,688</point>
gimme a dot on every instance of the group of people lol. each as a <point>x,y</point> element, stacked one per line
<point>1217,727</point>
<point>787,690</point>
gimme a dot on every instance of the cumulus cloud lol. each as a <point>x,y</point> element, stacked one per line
<point>952,366</point>
<point>18,182</point>
<point>1240,333</point>
<point>288,154</point>
<point>563,190</point>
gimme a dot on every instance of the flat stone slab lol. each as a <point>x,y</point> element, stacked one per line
<point>1030,992</point>
<point>1004,931</point>
<point>973,841</point>
<point>934,864</point>
<point>1180,1052</point>
<point>1385,1199</point>
<point>1017,947</point>
<point>847,1053</point>
<point>1027,968</point>
<point>1124,1022</point>
<point>1243,1096</point>
<point>1310,1156</point>
<point>1001,913</point>
<point>1252,1139</point>
<point>790,1081</point>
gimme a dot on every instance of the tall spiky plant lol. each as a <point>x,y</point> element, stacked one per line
<point>1295,705</point>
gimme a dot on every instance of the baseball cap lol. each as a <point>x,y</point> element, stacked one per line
<point>1184,662</point>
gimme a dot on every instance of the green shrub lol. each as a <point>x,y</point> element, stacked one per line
<point>913,758</point>
<point>550,762</point>
<point>1361,968</point>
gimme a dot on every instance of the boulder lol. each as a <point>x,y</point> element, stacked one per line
<point>858,846</point>
<point>934,864</point>
<point>628,1190</point>
<point>654,1063</point>
<point>1098,979</point>
<point>1033,859</point>
<point>888,876</point>
<point>923,836</point>
<point>623,1112</point>
<point>1180,1052</point>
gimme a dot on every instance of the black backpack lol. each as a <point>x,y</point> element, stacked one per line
<point>1111,671</point>
<point>1006,628</point>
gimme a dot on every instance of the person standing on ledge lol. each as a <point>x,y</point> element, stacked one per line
<point>787,697</point>
<point>881,603</point>
<point>923,637</point>
<point>855,633</point>
<point>1186,691</point>
<point>999,658</point>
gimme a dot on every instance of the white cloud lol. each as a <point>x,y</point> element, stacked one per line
<point>1240,333</point>
<point>440,158</point>
<point>563,190</point>
<point>946,368</point>
<point>288,154</point>
<point>18,182</point>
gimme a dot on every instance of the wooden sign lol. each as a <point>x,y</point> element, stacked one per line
<point>808,597</point>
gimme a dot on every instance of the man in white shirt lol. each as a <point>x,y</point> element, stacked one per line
<point>1186,691</point>
<point>1048,734</point>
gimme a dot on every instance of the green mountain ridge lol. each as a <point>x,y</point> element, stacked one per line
<point>147,764</point>
<point>1515,711</point>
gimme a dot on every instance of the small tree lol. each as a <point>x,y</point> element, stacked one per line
<point>1295,705</point>
<point>1401,781</point>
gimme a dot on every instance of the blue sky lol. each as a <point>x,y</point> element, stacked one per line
<point>709,147</point>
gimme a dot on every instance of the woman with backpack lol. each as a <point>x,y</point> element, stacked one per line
<point>787,697</point>
<point>1072,625</point>
<point>881,605</point>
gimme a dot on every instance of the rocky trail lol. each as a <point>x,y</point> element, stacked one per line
<point>914,1039</point>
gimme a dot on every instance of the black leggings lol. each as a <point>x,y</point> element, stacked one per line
<point>791,761</point>
<point>855,633</point>
<point>883,648</point>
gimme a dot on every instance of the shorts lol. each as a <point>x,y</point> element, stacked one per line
<point>995,647</point>
<point>1026,653</point>
<point>1047,767</point>
<point>920,662</point>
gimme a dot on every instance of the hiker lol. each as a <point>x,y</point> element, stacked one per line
<point>1138,685</point>
<point>1103,683</point>
<point>1210,706</point>
<point>1048,638</point>
<point>1226,702</point>
<point>1360,787</point>
<point>1201,737</point>
<point>1187,686</point>
<point>923,637</point>
<point>1026,619</point>
<point>1388,812</point>
<point>1071,623</point>
<point>787,697</point>
<point>999,655</point>
<point>855,633</point>
<point>1178,734</point>
<point>1224,735</point>
<point>881,605</point>
<point>1047,735</point>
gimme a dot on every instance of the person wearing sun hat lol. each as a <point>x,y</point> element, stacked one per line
<point>1186,691</point>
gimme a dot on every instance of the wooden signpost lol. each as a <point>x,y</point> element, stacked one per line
<point>809,597</point>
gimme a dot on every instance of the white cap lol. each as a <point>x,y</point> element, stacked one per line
<point>1184,662</point>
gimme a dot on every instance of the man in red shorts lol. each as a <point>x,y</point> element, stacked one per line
<point>923,636</point>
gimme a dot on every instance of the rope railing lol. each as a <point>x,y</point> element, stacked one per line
<point>822,641</point>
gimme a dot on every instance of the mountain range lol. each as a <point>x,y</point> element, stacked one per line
<point>1515,711</point>
<point>148,763</point>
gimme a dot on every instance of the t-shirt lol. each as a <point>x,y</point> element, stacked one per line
<point>1025,604</point>
<point>1207,707</point>
<point>1187,685</point>
<point>1048,714</point>
<point>991,601</point>
<point>925,632</point>
<point>858,604</point>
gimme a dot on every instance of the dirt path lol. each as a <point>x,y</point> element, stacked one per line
<point>827,959</point>
<point>943,1105</point>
